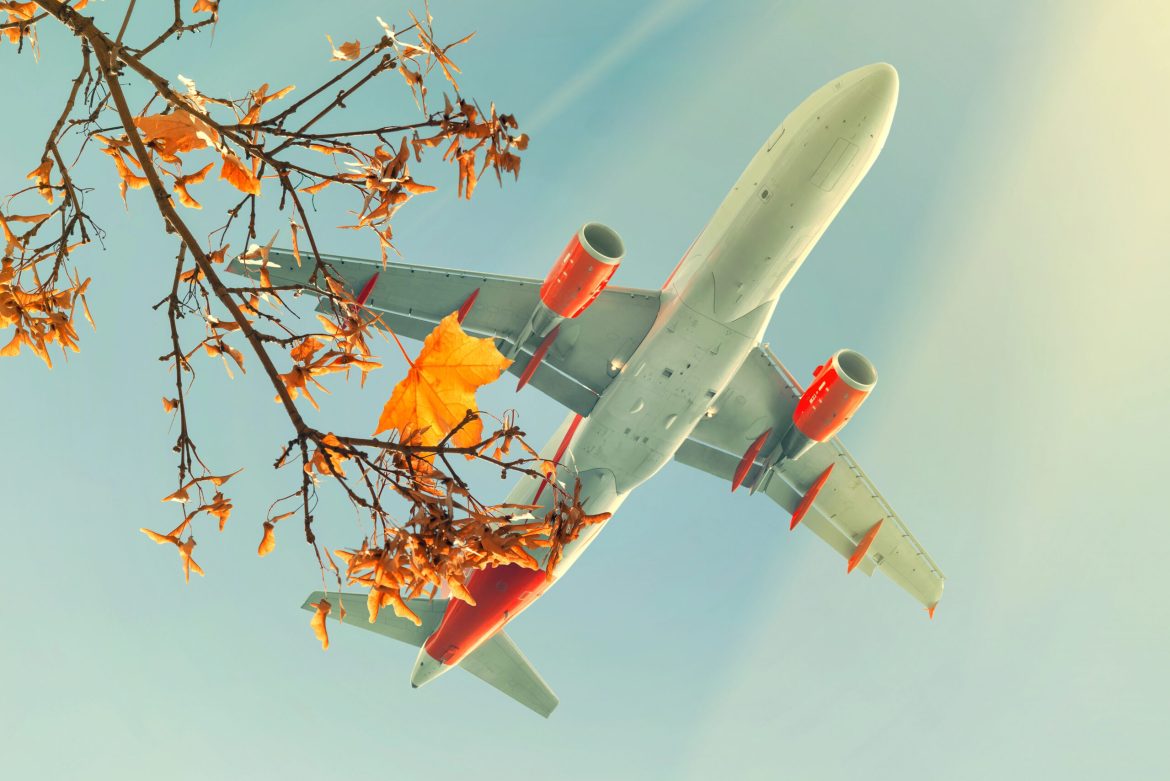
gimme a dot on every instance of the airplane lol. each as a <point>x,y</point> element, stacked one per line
<point>654,375</point>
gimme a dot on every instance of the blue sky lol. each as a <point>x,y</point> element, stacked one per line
<point>1004,264</point>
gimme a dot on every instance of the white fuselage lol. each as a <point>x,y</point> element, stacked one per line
<point>714,309</point>
<point>717,303</point>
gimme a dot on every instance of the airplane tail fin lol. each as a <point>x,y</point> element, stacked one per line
<point>498,662</point>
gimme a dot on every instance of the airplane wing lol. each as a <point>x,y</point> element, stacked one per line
<point>763,394</point>
<point>412,299</point>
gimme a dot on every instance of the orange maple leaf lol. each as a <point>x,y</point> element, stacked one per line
<point>439,389</point>
<point>239,175</point>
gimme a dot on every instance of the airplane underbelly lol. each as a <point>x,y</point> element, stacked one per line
<point>660,395</point>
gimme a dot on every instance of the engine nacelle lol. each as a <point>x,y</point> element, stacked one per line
<point>838,389</point>
<point>583,270</point>
<point>575,281</point>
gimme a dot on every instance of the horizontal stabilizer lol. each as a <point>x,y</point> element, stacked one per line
<point>497,662</point>
<point>500,662</point>
<point>357,614</point>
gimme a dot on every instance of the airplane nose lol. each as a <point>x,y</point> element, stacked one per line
<point>870,93</point>
<point>426,669</point>
<point>882,77</point>
<point>879,81</point>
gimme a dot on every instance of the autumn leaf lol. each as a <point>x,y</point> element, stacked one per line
<point>175,133</point>
<point>401,609</point>
<point>40,175</point>
<point>414,188</point>
<point>179,496</point>
<point>439,389</point>
<point>21,11</point>
<point>413,79</point>
<point>169,405</point>
<point>296,249</point>
<point>318,187</point>
<point>186,547</point>
<point>347,51</point>
<point>208,6</point>
<point>161,539</point>
<point>220,479</point>
<point>195,178</point>
<point>318,622</point>
<point>259,99</point>
<point>239,175</point>
<point>303,352</point>
<point>182,495</point>
<point>115,148</point>
<point>268,541</point>
<point>189,565</point>
<point>426,38</point>
<point>327,459</point>
<point>18,12</point>
<point>467,176</point>
<point>220,507</point>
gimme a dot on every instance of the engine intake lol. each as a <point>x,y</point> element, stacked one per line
<point>583,270</point>
<point>838,389</point>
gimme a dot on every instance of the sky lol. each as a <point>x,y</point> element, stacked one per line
<point>1004,264</point>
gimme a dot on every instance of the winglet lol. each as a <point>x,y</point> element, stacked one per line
<point>863,546</point>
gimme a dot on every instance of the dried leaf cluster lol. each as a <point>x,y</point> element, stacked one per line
<point>273,151</point>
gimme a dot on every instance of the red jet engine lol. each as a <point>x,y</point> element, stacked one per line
<point>583,270</point>
<point>838,389</point>
<point>576,280</point>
